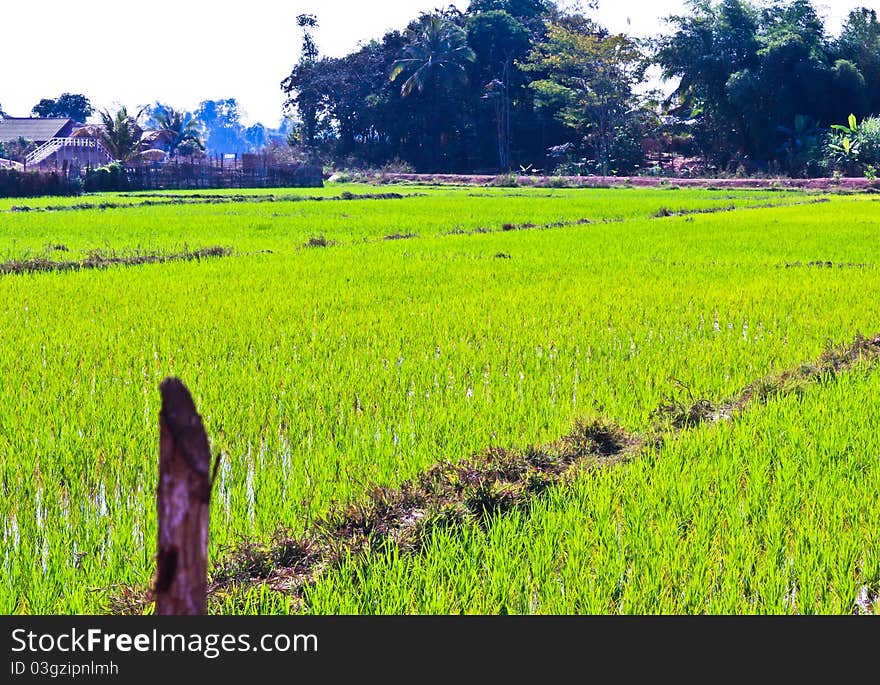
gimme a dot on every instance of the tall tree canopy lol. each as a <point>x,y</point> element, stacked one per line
<point>755,74</point>
<point>177,130</point>
<point>432,63</point>
<point>221,126</point>
<point>121,133</point>
<point>500,40</point>
<point>304,85</point>
<point>859,43</point>
<point>68,105</point>
<point>438,111</point>
<point>589,80</point>
<point>758,82</point>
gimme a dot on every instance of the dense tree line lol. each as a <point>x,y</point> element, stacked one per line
<point>214,127</point>
<point>760,86</point>
<point>765,82</point>
<point>438,95</point>
<point>512,83</point>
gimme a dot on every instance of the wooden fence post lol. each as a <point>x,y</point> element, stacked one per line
<point>182,502</point>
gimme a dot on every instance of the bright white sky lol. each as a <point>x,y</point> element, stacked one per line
<point>182,52</point>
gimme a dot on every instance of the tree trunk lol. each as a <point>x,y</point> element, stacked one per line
<point>435,161</point>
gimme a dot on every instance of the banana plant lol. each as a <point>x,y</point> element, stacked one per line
<point>851,130</point>
<point>843,144</point>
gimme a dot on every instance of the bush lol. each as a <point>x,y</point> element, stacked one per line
<point>868,139</point>
<point>398,166</point>
<point>509,180</point>
<point>109,177</point>
<point>855,146</point>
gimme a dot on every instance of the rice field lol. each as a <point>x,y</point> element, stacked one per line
<point>347,343</point>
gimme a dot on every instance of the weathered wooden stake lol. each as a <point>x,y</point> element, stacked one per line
<point>182,502</point>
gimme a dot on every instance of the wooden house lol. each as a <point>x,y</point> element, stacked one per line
<point>57,144</point>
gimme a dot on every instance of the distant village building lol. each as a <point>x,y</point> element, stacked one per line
<point>57,142</point>
<point>34,129</point>
<point>72,149</point>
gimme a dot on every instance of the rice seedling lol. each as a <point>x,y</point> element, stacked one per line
<point>324,374</point>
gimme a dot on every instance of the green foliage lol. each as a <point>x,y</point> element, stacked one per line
<point>588,78</point>
<point>14,183</point>
<point>108,177</point>
<point>802,146</point>
<point>18,149</point>
<point>855,143</point>
<point>73,106</point>
<point>753,69</point>
<point>435,55</point>
<point>433,58</point>
<point>463,98</point>
<point>219,125</point>
<point>499,40</point>
<point>868,139</point>
<point>479,102</point>
<point>859,43</point>
<point>303,89</point>
<point>121,133</point>
<point>178,132</point>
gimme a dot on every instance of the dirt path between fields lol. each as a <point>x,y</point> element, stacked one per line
<point>101,260</point>
<point>196,199</point>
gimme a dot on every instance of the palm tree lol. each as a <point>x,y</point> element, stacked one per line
<point>434,57</point>
<point>178,132</point>
<point>121,133</point>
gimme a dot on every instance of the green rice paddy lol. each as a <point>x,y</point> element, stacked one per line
<point>504,316</point>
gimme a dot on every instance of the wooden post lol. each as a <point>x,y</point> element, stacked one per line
<point>182,502</point>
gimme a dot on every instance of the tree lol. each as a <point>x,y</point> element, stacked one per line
<point>223,132</point>
<point>529,13</point>
<point>433,59</point>
<point>121,133</point>
<point>18,149</point>
<point>589,76</point>
<point>302,87</point>
<point>434,56</point>
<point>498,40</point>
<point>709,45</point>
<point>859,43</point>
<point>361,118</point>
<point>762,77</point>
<point>178,132</point>
<point>67,106</point>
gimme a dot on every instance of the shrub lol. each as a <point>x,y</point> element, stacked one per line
<point>509,180</point>
<point>856,144</point>
<point>869,141</point>
<point>109,177</point>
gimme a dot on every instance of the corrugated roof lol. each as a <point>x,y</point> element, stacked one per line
<point>40,130</point>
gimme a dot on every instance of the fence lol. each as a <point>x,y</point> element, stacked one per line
<point>239,172</point>
<point>231,173</point>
